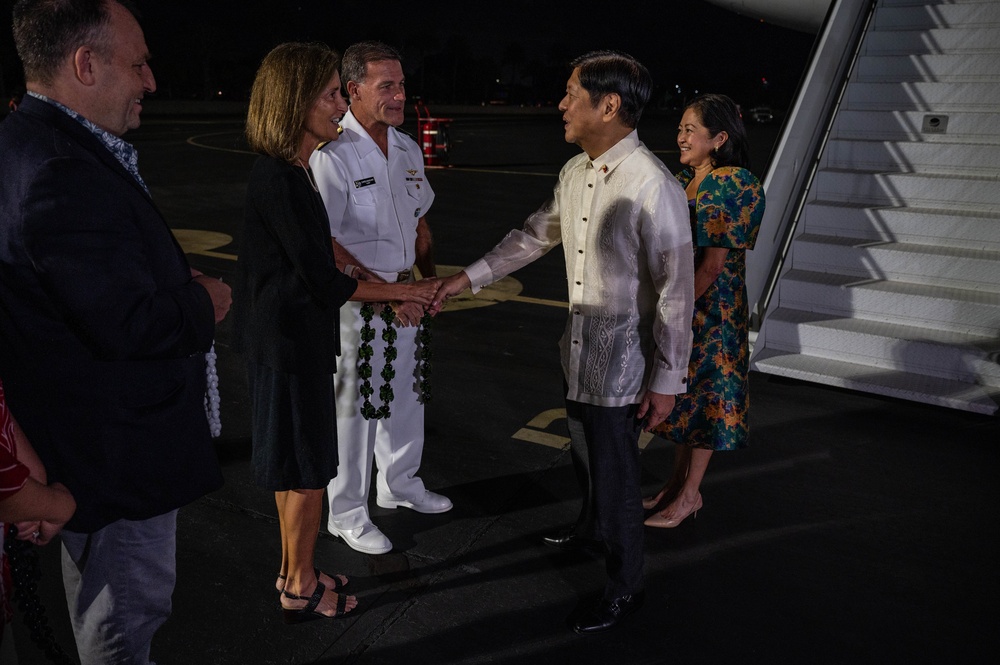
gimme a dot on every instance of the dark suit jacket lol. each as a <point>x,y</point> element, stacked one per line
<point>102,331</point>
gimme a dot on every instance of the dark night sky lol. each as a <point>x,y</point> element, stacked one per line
<point>455,51</point>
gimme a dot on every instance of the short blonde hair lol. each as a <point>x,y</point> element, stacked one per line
<point>290,79</point>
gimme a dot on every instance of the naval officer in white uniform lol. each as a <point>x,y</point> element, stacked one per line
<point>372,182</point>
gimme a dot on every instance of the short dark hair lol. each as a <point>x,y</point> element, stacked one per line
<point>719,113</point>
<point>46,32</point>
<point>358,56</point>
<point>606,72</point>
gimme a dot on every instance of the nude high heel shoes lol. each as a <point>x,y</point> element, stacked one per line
<point>661,521</point>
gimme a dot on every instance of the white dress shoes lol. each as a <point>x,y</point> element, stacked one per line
<point>428,503</point>
<point>366,538</point>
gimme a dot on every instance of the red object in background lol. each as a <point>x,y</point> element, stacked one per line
<point>433,134</point>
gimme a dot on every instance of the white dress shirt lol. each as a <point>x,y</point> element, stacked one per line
<point>625,228</point>
<point>374,201</point>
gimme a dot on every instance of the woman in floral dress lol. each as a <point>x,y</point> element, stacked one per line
<point>727,204</point>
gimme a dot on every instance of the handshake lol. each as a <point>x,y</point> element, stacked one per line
<point>410,301</point>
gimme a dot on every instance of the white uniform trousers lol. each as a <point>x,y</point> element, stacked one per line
<point>395,443</point>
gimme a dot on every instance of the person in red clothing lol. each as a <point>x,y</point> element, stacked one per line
<point>39,509</point>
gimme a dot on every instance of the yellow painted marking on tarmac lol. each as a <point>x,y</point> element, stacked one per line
<point>544,419</point>
<point>542,301</point>
<point>544,438</point>
<point>531,432</point>
<point>197,241</point>
<point>500,291</point>
<point>202,243</point>
<point>644,439</point>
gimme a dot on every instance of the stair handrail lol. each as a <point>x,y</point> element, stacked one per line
<point>802,140</point>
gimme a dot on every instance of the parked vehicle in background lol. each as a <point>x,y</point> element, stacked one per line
<point>761,114</point>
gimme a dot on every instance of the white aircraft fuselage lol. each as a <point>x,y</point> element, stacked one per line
<point>802,15</point>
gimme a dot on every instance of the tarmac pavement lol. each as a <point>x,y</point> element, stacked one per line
<point>855,529</point>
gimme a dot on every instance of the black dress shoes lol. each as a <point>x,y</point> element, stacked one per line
<point>607,614</point>
<point>566,539</point>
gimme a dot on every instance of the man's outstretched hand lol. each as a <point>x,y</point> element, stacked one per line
<point>449,286</point>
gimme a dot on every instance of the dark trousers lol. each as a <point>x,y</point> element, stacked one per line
<point>604,444</point>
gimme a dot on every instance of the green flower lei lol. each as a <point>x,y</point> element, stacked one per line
<point>424,338</point>
<point>365,352</point>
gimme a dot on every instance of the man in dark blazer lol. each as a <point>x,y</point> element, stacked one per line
<point>103,325</point>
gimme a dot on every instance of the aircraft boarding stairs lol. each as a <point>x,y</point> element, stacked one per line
<point>891,282</point>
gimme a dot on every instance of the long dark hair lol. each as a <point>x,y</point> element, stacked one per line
<point>721,114</point>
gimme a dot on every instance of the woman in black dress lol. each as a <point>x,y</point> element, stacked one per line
<point>286,311</point>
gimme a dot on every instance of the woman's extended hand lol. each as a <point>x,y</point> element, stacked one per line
<point>421,291</point>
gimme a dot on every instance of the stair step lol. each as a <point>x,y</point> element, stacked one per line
<point>932,97</point>
<point>925,3</point>
<point>934,67</point>
<point>956,127</point>
<point>922,190</point>
<point>913,157</point>
<point>936,40</point>
<point>945,354</point>
<point>936,15</point>
<point>892,383</point>
<point>925,226</point>
<point>892,285</point>
<point>921,305</point>
<point>920,264</point>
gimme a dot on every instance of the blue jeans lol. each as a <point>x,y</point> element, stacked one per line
<point>118,583</point>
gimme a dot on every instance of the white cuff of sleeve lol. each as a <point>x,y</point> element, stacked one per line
<point>480,275</point>
<point>668,381</point>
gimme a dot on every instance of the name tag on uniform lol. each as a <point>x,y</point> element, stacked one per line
<point>414,180</point>
<point>364,182</point>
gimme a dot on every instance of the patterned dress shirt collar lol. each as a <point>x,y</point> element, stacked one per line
<point>124,152</point>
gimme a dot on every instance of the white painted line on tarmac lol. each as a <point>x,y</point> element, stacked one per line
<point>194,140</point>
<point>491,171</point>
